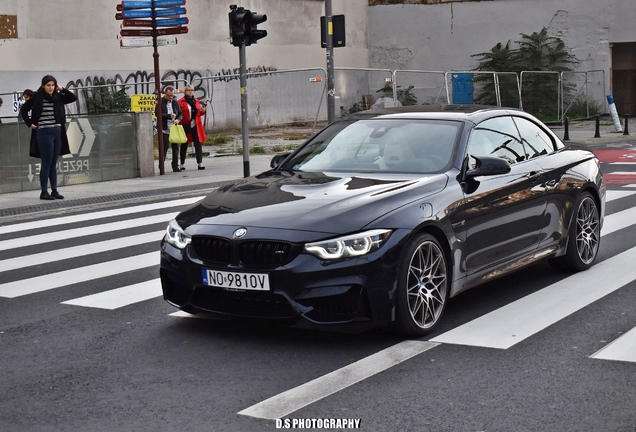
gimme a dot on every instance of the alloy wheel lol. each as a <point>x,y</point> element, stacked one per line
<point>587,230</point>
<point>426,284</point>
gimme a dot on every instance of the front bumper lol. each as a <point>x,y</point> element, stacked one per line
<point>322,292</point>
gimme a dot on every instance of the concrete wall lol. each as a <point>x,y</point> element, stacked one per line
<point>443,36</point>
<point>68,36</point>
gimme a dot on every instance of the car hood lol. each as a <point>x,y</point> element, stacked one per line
<point>309,201</point>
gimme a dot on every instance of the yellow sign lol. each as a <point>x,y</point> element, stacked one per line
<point>143,102</point>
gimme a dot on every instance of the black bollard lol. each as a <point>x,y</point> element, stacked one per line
<point>626,131</point>
<point>597,134</point>
<point>566,134</point>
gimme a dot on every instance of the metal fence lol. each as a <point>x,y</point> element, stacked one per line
<point>299,95</point>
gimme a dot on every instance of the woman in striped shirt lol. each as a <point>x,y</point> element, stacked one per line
<point>48,137</point>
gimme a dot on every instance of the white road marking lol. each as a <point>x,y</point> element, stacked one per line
<point>621,163</point>
<point>81,274</point>
<point>120,297</point>
<point>617,221</point>
<point>630,185</point>
<point>292,400</point>
<point>64,220</point>
<point>622,349</point>
<point>79,251</point>
<point>523,318</point>
<point>617,194</point>
<point>85,231</point>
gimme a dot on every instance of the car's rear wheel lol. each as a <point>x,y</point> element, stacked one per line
<point>584,236</point>
<point>423,285</point>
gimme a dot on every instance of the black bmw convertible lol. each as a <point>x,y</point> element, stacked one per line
<point>384,215</point>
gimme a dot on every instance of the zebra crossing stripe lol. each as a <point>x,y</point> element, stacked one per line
<point>65,220</point>
<point>292,400</point>
<point>77,275</point>
<point>618,221</point>
<point>523,318</point>
<point>622,349</point>
<point>85,231</point>
<point>617,194</point>
<point>79,251</point>
<point>124,296</point>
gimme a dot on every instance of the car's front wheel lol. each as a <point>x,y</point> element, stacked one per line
<point>584,236</point>
<point>423,285</point>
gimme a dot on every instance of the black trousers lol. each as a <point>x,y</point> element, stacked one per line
<point>175,150</point>
<point>197,148</point>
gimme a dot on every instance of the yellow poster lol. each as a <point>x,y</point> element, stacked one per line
<point>143,102</point>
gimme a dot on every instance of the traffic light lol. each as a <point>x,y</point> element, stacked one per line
<point>254,34</point>
<point>238,25</point>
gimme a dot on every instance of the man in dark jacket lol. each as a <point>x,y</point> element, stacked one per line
<point>170,115</point>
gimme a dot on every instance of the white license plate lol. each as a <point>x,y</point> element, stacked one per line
<point>236,280</point>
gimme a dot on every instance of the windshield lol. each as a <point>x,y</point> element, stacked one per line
<point>391,146</point>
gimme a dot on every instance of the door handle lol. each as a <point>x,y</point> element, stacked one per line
<point>534,175</point>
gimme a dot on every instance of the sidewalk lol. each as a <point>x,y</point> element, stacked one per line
<point>20,206</point>
<point>191,182</point>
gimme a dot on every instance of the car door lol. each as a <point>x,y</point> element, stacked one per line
<point>504,213</point>
<point>560,186</point>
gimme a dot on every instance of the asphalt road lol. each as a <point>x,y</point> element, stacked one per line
<point>538,350</point>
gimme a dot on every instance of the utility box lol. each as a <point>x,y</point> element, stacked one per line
<point>462,88</point>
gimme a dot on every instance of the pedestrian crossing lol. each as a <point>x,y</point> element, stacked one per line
<point>502,328</point>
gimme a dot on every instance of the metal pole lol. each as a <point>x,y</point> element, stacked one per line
<point>155,56</point>
<point>331,102</point>
<point>244,126</point>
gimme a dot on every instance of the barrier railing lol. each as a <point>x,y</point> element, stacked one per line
<point>426,87</point>
<point>357,89</point>
<point>583,93</point>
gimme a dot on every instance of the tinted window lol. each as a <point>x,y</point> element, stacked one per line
<point>397,145</point>
<point>496,137</point>
<point>536,141</point>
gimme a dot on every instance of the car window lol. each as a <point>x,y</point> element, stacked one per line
<point>496,137</point>
<point>396,145</point>
<point>535,140</point>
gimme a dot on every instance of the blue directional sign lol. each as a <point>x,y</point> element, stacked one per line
<point>127,14</point>
<point>147,4</point>
<point>171,22</point>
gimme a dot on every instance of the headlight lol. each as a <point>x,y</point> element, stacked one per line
<point>348,246</point>
<point>176,236</point>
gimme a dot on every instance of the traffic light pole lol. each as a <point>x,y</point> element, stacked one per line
<point>331,103</point>
<point>244,125</point>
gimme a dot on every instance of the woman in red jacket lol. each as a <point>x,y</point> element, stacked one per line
<point>193,125</point>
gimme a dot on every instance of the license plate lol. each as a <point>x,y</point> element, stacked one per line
<point>236,280</point>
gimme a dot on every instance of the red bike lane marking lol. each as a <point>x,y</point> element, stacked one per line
<point>617,156</point>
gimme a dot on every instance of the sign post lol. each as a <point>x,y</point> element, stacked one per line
<point>132,13</point>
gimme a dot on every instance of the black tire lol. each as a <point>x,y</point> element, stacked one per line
<point>423,286</point>
<point>584,236</point>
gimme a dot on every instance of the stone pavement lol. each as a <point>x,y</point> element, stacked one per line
<point>20,206</point>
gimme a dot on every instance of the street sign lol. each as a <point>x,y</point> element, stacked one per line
<point>143,102</point>
<point>149,32</point>
<point>170,22</point>
<point>126,14</point>
<point>135,13</point>
<point>147,4</point>
<point>130,42</point>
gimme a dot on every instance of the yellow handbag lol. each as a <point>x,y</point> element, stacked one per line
<point>177,135</point>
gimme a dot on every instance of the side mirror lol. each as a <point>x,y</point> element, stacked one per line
<point>278,159</point>
<point>488,165</point>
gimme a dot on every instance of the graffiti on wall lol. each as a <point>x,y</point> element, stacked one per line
<point>143,82</point>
